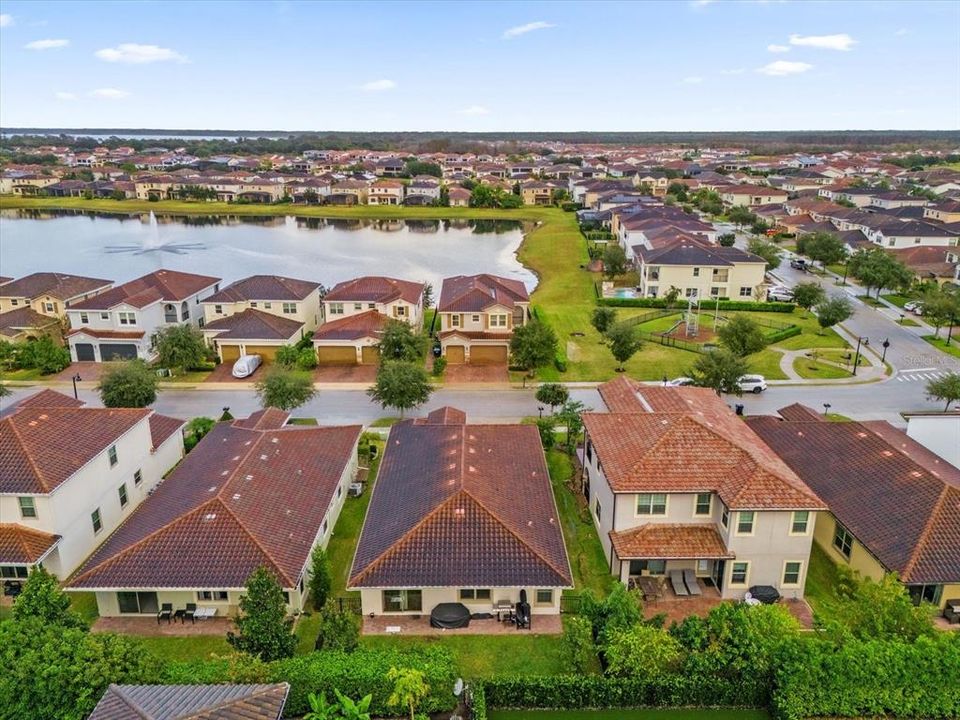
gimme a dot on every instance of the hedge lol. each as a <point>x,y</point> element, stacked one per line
<point>742,306</point>
<point>787,332</point>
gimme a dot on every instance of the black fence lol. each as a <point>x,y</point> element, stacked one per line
<point>349,604</point>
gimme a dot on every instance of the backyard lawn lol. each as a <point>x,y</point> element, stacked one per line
<point>822,577</point>
<point>185,648</point>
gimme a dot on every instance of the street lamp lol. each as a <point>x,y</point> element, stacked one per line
<point>76,378</point>
<point>540,410</point>
<point>856,358</point>
<point>826,408</point>
<point>902,318</point>
<point>886,344</point>
<point>846,266</point>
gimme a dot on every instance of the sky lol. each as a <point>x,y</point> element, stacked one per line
<point>708,65</point>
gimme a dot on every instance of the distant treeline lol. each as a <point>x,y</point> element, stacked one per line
<point>204,143</point>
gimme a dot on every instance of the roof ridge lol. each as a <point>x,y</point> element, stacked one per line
<point>129,702</point>
<point>226,703</point>
<point>254,539</point>
<point>921,543</point>
<point>26,453</point>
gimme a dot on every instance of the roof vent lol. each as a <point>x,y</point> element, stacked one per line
<point>916,473</point>
<point>861,434</point>
<point>225,472</point>
<point>887,453</point>
<point>212,488</point>
<point>43,416</point>
<point>452,466</point>
<point>236,496</point>
<point>248,477</point>
<point>274,440</point>
<point>209,516</point>
<point>236,457</point>
<point>471,468</point>
<point>472,451</point>
<point>263,457</point>
<point>246,443</point>
<point>459,512</point>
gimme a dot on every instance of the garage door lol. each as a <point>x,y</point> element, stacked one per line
<point>371,355</point>
<point>337,355</point>
<point>229,353</point>
<point>488,355</point>
<point>84,351</point>
<point>455,354</point>
<point>267,352</point>
<point>117,351</point>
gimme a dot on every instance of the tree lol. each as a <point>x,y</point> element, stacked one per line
<point>179,346</point>
<point>321,580</point>
<point>832,311</point>
<point>571,416</point>
<point>727,239</point>
<point>44,355</point>
<point>338,630</point>
<point>409,688</point>
<point>720,370</point>
<point>621,610</point>
<point>603,317</point>
<point>678,190</point>
<point>546,426</point>
<point>401,385</point>
<point>43,600</point>
<point>766,250</point>
<point>642,651</point>
<point>624,341</point>
<point>946,388</point>
<point>824,247</point>
<point>533,345</point>
<point>287,356</point>
<point>428,296</point>
<point>4,390</point>
<point>400,342</point>
<point>552,394</point>
<point>742,336</point>
<point>285,389</point>
<point>614,260</point>
<point>262,627</point>
<point>128,384</point>
<point>195,430</point>
<point>741,215</point>
<point>578,644</point>
<point>808,294</point>
<point>940,308</point>
<point>875,268</point>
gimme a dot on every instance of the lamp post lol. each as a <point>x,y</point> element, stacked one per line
<point>886,344</point>
<point>902,318</point>
<point>540,410</point>
<point>826,408</point>
<point>856,358</point>
<point>76,378</point>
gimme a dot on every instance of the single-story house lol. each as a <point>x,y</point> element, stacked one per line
<point>192,702</point>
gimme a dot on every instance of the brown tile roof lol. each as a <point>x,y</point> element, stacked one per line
<point>20,545</point>
<point>473,293</point>
<point>41,447</point>
<point>800,413</point>
<point>253,324</point>
<point>192,702</point>
<point>664,541</point>
<point>242,498</point>
<point>169,285</point>
<point>264,287</point>
<point>48,398</point>
<point>462,505</point>
<point>266,419</point>
<point>108,334</point>
<point>903,505</point>
<point>623,394</point>
<point>353,327</point>
<point>162,427</point>
<point>375,289</point>
<point>444,416</point>
<point>58,285</point>
<point>26,318</point>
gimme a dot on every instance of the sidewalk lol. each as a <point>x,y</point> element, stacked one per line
<point>872,373</point>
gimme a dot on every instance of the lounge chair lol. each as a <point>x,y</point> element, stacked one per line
<point>190,612</point>
<point>166,613</point>
<point>690,580</point>
<point>676,580</point>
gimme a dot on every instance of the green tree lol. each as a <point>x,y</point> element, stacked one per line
<point>285,389</point>
<point>533,346</point>
<point>727,239</point>
<point>578,644</point>
<point>4,389</point>
<point>766,250</point>
<point>428,296</point>
<point>877,269</point>
<point>742,336</point>
<point>570,415</point>
<point>546,426</point>
<point>409,689</point>
<point>401,385</point>
<point>195,430</point>
<point>415,167</point>
<point>287,356</point>
<point>43,354</point>
<point>552,394</point>
<point>321,578</point>
<point>400,342</point>
<point>642,651</point>
<point>262,627</point>
<point>614,260</point>
<point>179,346</point>
<point>678,190</point>
<point>940,308</point>
<point>741,215</point>
<point>603,318</point>
<point>721,370</point>
<point>825,248</point>
<point>808,294</point>
<point>43,600</point>
<point>338,630</point>
<point>128,384</point>
<point>946,389</point>
<point>307,358</point>
<point>832,311</point>
<point>624,342</point>
<point>621,610</point>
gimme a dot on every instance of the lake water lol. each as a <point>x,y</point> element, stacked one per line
<point>122,247</point>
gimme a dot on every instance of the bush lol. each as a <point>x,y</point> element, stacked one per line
<point>439,366</point>
<point>287,356</point>
<point>128,384</point>
<point>560,361</point>
<point>307,358</point>
<point>578,644</point>
<point>744,306</point>
<point>44,355</point>
<point>787,332</point>
<point>338,630</point>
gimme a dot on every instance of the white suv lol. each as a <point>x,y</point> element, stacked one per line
<point>755,384</point>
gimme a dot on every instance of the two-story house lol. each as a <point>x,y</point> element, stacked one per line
<point>537,192</point>
<point>49,293</point>
<point>385,192</point>
<point>259,314</point>
<point>119,324</point>
<point>676,482</point>
<point>699,270</point>
<point>70,475</point>
<point>750,195</point>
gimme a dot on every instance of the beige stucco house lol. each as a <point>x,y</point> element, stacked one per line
<point>750,195</point>
<point>700,270</point>
<point>49,293</point>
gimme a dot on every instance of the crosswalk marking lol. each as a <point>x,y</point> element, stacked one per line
<point>923,375</point>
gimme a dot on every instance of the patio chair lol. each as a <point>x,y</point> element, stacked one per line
<point>190,612</point>
<point>690,580</point>
<point>166,613</point>
<point>951,611</point>
<point>676,580</point>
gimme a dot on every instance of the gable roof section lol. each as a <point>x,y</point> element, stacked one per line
<point>191,702</point>
<point>461,505</point>
<point>264,287</point>
<point>167,285</point>
<point>20,545</point>
<point>369,323</point>
<point>25,318</point>
<point>473,293</point>
<point>50,399</point>
<point>162,427</point>
<point>378,289</point>
<point>253,324</point>
<point>58,285</point>
<point>670,542</point>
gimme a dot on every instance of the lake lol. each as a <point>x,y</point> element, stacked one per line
<point>636,714</point>
<point>122,247</point>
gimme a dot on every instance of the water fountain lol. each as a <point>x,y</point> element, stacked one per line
<point>152,243</point>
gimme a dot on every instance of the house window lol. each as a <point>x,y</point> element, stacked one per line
<point>597,509</point>
<point>739,572</point>
<point>696,272</point>
<point>544,597</point>
<point>843,541</point>
<point>336,308</point>
<point>656,567</point>
<point>14,571</point>
<point>498,321</point>
<point>112,454</point>
<point>791,572</point>
<point>402,601</point>
<point>286,598</point>
<point>84,318</point>
<point>358,306</point>
<point>715,291</point>
<point>268,305</point>
<point>690,292</point>
<point>925,593</point>
<point>652,504</point>
<point>475,318</point>
<point>474,593</point>
<point>218,309</point>
<point>745,522</point>
<point>97,522</point>
<point>652,290</point>
<point>800,522</point>
<point>128,318</point>
<point>745,291</point>
<point>14,301</point>
<point>28,507</point>
<point>725,517</point>
<point>401,310</point>
<point>253,303</point>
<point>212,595</point>
<point>454,321</point>
<point>371,306</point>
<point>339,491</point>
<point>704,503</point>
<point>122,492</point>
<point>138,477</point>
<point>138,603</point>
<point>50,307</point>
<point>323,529</point>
<point>289,308</point>
<point>104,316</point>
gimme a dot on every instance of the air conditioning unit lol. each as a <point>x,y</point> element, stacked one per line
<point>355,490</point>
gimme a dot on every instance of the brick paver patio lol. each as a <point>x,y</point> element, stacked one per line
<point>409,625</point>
<point>149,627</point>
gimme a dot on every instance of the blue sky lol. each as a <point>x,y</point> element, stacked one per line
<point>685,65</point>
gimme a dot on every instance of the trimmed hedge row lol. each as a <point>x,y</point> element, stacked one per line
<point>743,306</point>
<point>787,332</point>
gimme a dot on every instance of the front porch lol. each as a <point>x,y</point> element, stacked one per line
<point>420,625</point>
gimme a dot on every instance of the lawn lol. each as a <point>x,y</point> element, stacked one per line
<point>909,322</point>
<point>815,370</point>
<point>190,376</point>
<point>898,300</point>
<point>842,356</point>
<point>940,343</point>
<point>822,578</point>
<point>185,648</point>
<point>23,374</point>
<point>766,363</point>
<point>303,421</point>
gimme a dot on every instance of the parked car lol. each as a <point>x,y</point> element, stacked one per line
<point>779,293</point>
<point>799,264</point>
<point>246,365</point>
<point>679,382</point>
<point>755,384</point>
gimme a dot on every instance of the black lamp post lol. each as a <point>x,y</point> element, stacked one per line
<point>886,344</point>
<point>856,358</point>
<point>76,378</point>
<point>826,408</point>
<point>540,410</point>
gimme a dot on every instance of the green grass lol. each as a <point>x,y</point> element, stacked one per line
<point>303,421</point>
<point>909,322</point>
<point>870,300</point>
<point>190,376</point>
<point>837,417</point>
<point>85,605</point>
<point>816,370</point>
<point>766,363</point>
<point>184,648</point>
<point>838,356</point>
<point>898,300</point>
<point>940,344</point>
<point>384,422</point>
<point>822,578</point>
<point>23,374</point>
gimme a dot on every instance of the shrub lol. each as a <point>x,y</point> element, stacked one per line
<point>287,356</point>
<point>128,384</point>
<point>44,355</point>
<point>306,358</point>
<point>439,366</point>
<point>578,644</point>
<point>642,651</point>
<point>338,630</point>
<point>321,579</point>
<point>745,306</point>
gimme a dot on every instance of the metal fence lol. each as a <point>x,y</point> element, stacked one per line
<point>349,604</point>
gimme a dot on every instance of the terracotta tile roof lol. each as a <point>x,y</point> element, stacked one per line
<point>903,505</point>
<point>462,505</point>
<point>162,427</point>
<point>168,285</point>
<point>41,447</point>
<point>375,289</point>
<point>253,324</point>
<point>800,413</point>
<point>20,545</point>
<point>48,398</point>
<point>476,335</point>
<point>368,324</point>
<point>107,334</point>
<point>663,541</point>
<point>444,416</point>
<point>24,318</point>
<point>623,394</point>
<point>242,498</point>
<point>58,285</point>
<point>192,702</point>
<point>264,287</point>
<point>266,419</point>
<point>474,293</point>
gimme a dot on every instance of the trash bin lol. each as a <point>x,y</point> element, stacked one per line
<point>738,408</point>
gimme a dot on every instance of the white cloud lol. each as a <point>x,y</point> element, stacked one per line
<point>134,54</point>
<point>784,67</point>
<point>6,20</point>
<point>701,3</point>
<point>46,44</point>
<point>109,94</point>
<point>901,32</point>
<point>378,85</point>
<point>65,96</point>
<point>519,30</point>
<point>692,80</point>
<point>778,48</point>
<point>841,41</point>
<point>733,71</point>
<point>474,110</point>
